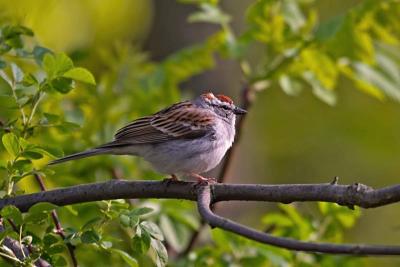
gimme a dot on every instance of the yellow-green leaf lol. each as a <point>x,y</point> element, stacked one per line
<point>81,75</point>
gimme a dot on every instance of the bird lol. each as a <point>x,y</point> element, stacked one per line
<point>187,138</point>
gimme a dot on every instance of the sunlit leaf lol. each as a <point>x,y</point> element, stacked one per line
<point>11,144</point>
<point>161,252</point>
<point>327,96</point>
<point>13,213</point>
<point>152,229</point>
<point>81,75</point>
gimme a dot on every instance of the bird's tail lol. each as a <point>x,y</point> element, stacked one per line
<point>109,148</point>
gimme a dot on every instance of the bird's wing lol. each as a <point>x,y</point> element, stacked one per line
<point>180,121</point>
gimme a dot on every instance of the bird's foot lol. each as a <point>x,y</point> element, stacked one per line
<point>203,180</point>
<point>173,178</point>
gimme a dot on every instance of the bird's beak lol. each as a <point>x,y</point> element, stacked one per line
<point>239,111</point>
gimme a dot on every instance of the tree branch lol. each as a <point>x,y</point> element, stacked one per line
<point>348,195</point>
<point>21,252</point>
<point>203,204</point>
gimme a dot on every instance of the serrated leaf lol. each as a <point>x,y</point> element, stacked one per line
<point>42,207</point>
<point>81,75</point>
<point>152,229</point>
<point>126,257</point>
<point>13,213</point>
<point>11,144</point>
<point>161,252</point>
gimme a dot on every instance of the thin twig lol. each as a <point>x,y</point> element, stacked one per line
<point>57,223</point>
<point>205,199</point>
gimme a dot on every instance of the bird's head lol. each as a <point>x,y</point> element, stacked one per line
<point>221,104</point>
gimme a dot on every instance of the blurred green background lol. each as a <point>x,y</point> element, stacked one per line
<point>286,139</point>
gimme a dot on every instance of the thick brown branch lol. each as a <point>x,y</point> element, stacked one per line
<point>348,195</point>
<point>204,202</point>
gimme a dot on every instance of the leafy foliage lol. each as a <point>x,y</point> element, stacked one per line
<point>47,101</point>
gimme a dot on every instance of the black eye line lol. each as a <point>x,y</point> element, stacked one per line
<point>219,106</point>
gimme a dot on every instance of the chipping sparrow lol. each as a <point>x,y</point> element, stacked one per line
<point>189,138</point>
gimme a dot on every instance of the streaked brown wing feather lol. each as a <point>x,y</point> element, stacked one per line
<point>170,123</point>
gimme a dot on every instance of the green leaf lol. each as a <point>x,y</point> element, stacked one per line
<point>129,220</point>
<point>42,207</point>
<point>152,229</point>
<point>141,211</point>
<point>372,76</point>
<point>11,144</point>
<point>62,84</point>
<point>126,257</point>
<point>81,75</point>
<point>35,153</point>
<point>90,236</point>
<point>13,213</point>
<point>293,15</point>
<point>18,74</point>
<point>32,155</point>
<point>176,234</point>
<point>210,14</point>
<point>50,118</point>
<point>92,223</point>
<point>290,86</point>
<point>141,242</point>
<point>36,218</point>
<point>277,219</point>
<point>29,80</point>
<point>3,64</point>
<point>327,96</point>
<point>59,261</point>
<point>56,65</point>
<point>50,239</point>
<point>39,52</point>
<point>329,28</point>
<point>161,252</point>
<point>56,249</point>
<point>22,165</point>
